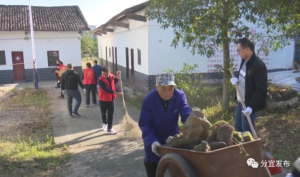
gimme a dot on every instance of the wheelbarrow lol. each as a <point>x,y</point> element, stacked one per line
<point>231,161</point>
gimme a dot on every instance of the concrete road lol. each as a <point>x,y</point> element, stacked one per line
<point>94,152</point>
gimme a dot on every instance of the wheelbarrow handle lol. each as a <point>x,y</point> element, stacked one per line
<point>244,106</point>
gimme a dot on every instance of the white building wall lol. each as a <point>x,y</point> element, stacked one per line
<point>282,58</point>
<point>67,43</point>
<point>162,55</point>
<point>136,37</point>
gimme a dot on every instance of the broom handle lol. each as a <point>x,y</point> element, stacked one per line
<point>244,106</point>
<point>121,86</point>
<point>248,117</point>
<point>52,85</point>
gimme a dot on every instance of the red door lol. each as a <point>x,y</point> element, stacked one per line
<point>127,64</point>
<point>116,58</point>
<point>113,59</point>
<point>106,56</point>
<point>18,66</point>
<point>132,66</point>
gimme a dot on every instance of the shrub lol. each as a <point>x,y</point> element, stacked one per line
<point>198,95</point>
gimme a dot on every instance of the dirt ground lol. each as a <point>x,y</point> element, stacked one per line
<point>15,118</point>
<point>94,154</point>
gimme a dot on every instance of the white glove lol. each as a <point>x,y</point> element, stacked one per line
<point>234,80</point>
<point>154,147</point>
<point>84,90</point>
<point>247,111</point>
<point>63,92</point>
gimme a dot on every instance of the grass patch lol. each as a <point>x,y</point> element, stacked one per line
<point>26,143</point>
<point>28,153</point>
<point>30,97</point>
<point>135,101</point>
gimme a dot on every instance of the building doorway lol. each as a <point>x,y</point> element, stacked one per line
<point>18,66</point>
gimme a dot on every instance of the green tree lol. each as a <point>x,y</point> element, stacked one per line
<point>204,25</point>
<point>87,43</point>
<point>95,46</point>
<point>281,21</point>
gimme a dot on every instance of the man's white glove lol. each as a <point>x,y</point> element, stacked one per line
<point>154,147</point>
<point>234,80</point>
<point>84,90</point>
<point>63,92</point>
<point>247,111</point>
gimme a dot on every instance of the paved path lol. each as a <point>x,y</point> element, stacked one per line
<point>286,78</point>
<point>95,153</point>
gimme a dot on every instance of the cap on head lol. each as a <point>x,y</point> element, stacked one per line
<point>165,79</point>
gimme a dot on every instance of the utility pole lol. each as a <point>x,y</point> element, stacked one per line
<point>33,49</point>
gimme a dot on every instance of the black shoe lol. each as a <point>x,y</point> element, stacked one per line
<point>71,115</point>
<point>77,114</point>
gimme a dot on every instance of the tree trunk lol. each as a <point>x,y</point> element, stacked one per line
<point>226,74</point>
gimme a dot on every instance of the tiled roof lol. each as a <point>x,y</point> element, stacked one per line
<point>59,18</point>
<point>121,15</point>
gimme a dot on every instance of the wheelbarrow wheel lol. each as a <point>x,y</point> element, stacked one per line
<point>176,166</point>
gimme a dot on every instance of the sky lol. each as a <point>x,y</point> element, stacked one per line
<point>96,12</point>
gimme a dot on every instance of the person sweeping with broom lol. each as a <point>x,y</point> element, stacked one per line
<point>107,95</point>
<point>159,116</point>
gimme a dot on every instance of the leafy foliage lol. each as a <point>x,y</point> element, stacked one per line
<point>88,44</point>
<point>206,24</point>
<point>281,21</point>
<point>190,83</point>
<point>203,26</point>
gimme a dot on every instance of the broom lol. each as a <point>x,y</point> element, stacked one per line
<point>128,125</point>
<point>266,155</point>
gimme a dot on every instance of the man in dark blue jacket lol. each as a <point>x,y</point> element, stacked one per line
<point>159,116</point>
<point>97,70</point>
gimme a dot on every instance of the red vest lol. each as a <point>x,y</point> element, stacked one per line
<point>88,76</point>
<point>61,66</point>
<point>104,96</point>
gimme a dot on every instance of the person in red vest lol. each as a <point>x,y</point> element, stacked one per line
<point>89,78</point>
<point>107,94</point>
<point>59,66</point>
